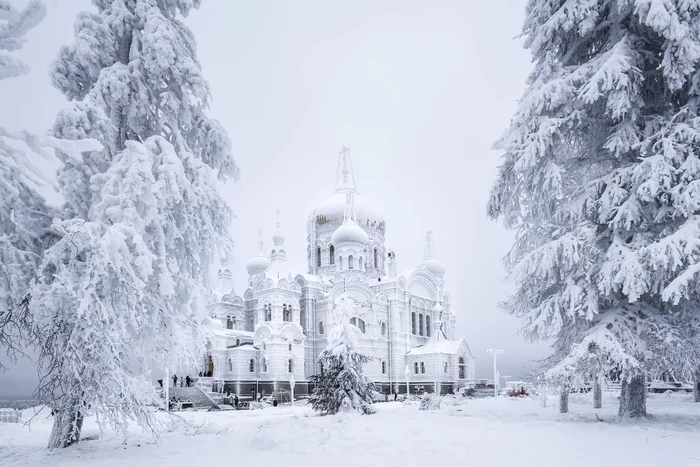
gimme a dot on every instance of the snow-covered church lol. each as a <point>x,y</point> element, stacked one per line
<point>275,332</point>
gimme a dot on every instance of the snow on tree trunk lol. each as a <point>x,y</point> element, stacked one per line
<point>696,387</point>
<point>67,426</point>
<point>633,397</point>
<point>564,399</point>
<point>597,394</point>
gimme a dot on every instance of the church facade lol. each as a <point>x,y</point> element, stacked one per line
<point>273,334</point>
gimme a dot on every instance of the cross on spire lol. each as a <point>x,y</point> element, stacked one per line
<point>344,177</point>
<point>429,251</point>
<point>261,244</point>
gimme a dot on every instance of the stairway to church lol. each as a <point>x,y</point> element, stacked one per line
<point>196,395</point>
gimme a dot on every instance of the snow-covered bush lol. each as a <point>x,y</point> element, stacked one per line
<point>430,401</point>
<point>342,386</point>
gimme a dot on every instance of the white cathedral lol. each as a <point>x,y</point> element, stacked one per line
<point>275,332</point>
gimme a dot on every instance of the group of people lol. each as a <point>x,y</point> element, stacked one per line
<point>185,382</point>
<point>177,403</point>
<point>233,401</point>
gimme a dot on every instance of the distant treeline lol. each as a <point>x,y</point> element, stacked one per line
<point>19,404</point>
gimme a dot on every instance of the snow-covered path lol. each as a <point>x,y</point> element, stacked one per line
<point>499,432</point>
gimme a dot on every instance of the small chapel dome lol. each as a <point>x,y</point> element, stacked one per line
<point>433,265</point>
<point>260,262</point>
<point>349,232</point>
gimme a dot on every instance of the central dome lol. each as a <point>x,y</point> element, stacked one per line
<point>332,210</point>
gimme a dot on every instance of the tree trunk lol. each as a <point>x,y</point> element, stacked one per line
<point>67,425</point>
<point>633,398</point>
<point>597,394</point>
<point>544,397</point>
<point>564,400</point>
<point>696,387</point>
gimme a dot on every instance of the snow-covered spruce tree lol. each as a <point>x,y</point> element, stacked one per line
<point>341,385</point>
<point>25,218</point>
<point>600,179</point>
<point>120,291</point>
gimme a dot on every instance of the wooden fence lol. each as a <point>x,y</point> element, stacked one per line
<point>8,416</point>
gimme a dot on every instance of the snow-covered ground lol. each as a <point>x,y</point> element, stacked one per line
<point>500,432</point>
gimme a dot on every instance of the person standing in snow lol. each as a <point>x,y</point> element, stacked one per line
<point>174,381</point>
<point>188,380</point>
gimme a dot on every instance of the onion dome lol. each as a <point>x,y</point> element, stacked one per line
<point>349,232</point>
<point>260,262</point>
<point>433,265</point>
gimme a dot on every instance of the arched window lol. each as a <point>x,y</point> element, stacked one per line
<point>383,328</point>
<point>318,256</point>
<point>340,262</point>
<point>331,252</point>
<point>444,367</point>
<point>351,262</point>
<point>268,312</point>
<point>230,365</point>
<point>320,327</point>
<point>427,325</point>
<point>360,264</point>
<point>290,347</point>
<point>230,322</point>
<point>383,367</point>
<point>415,368</point>
<point>462,368</point>
<point>291,365</point>
<point>264,345</point>
<point>422,367</point>
<point>287,313</point>
<point>376,258</point>
<point>413,322</point>
<point>264,365</point>
<point>421,323</point>
<point>359,323</point>
<point>251,366</point>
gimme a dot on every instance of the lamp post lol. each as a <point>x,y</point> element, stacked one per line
<point>167,388</point>
<point>292,383</point>
<point>495,370</point>
<point>408,376</point>
<point>437,374</point>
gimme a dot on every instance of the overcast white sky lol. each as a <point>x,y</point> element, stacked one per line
<point>418,91</point>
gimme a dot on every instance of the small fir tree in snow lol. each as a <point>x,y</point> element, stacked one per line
<point>120,290</point>
<point>341,384</point>
<point>600,180</point>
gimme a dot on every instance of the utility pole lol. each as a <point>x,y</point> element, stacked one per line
<point>495,369</point>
